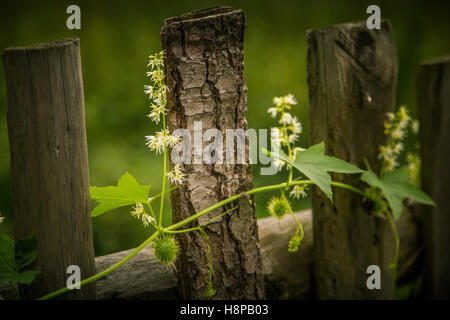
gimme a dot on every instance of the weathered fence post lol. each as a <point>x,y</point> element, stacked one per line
<point>49,167</point>
<point>434,115</point>
<point>352,79</point>
<point>204,72</point>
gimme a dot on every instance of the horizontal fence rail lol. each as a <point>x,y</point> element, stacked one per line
<point>287,275</point>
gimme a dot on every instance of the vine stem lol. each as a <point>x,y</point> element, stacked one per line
<point>156,196</point>
<point>106,271</point>
<point>184,222</point>
<point>13,285</point>
<point>397,245</point>
<point>257,190</point>
<point>161,207</point>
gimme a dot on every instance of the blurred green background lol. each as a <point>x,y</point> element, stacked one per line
<point>117,37</point>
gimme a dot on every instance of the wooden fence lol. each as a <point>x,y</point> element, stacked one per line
<point>352,75</point>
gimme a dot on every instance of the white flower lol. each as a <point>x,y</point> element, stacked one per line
<point>398,133</point>
<point>415,126</point>
<point>403,116</point>
<point>138,209</point>
<point>398,147</point>
<point>390,116</point>
<point>176,176</point>
<point>172,141</point>
<point>148,90</point>
<point>278,164</point>
<point>298,191</point>
<point>157,142</point>
<point>161,141</point>
<point>273,112</point>
<point>156,61</point>
<point>286,118</point>
<point>1,218</point>
<point>157,110</point>
<point>292,138</point>
<point>278,101</point>
<point>275,136</point>
<point>139,213</point>
<point>385,151</point>
<point>296,126</point>
<point>156,75</point>
<point>390,163</point>
<point>147,219</point>
<point>289,99</point>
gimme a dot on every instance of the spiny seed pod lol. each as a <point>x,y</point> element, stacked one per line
<point>278,207</point>
<point>166,249</point>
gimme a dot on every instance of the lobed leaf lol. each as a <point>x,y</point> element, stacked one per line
<point>127,192</point>
<point>396,188</point>
<point>15,257</point>
<point>315,165</point>
<point>26,251</point>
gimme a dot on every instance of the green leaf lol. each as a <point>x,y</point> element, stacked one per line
<point>315,165</point>
<point>14,257</point>
<point>7,257</point>
<point>26,251</point>
<point>127,192</point>
<point>396,188</point>
<point>25,277</point>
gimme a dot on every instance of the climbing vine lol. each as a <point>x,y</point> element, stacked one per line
<point>305,167</point>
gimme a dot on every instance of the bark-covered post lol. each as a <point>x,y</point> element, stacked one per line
<point>352,79</point>
<point>434,115</point>
<point>49,166</point>
<point>204,61</point>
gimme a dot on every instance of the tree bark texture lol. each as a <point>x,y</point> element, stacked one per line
<point>352,75</point>
<point>204,61</point>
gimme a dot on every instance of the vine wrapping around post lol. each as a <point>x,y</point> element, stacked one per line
<point>172,229</point>
<point>312,164</point>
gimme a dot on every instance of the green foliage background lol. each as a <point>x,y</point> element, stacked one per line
<point>116,38</point>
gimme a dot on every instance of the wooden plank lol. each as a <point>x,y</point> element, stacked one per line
<point>352,75</point>
<point>204,62</point>
<point>433,88</point>
<point>49,166</point>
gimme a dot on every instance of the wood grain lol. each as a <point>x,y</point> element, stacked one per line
<point>433,87</point>
<point>352,75</point>
<point>49,166</point>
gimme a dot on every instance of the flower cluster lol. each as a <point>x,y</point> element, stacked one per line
<point>395,127</point>
<point>1,218</point>
<point>162,140</point>
<point>176,176</point>
<point>286,135</point>
<point>290,127</point>
<point>157,93</point>
<point>139,213</point>
<point>298,191</point>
